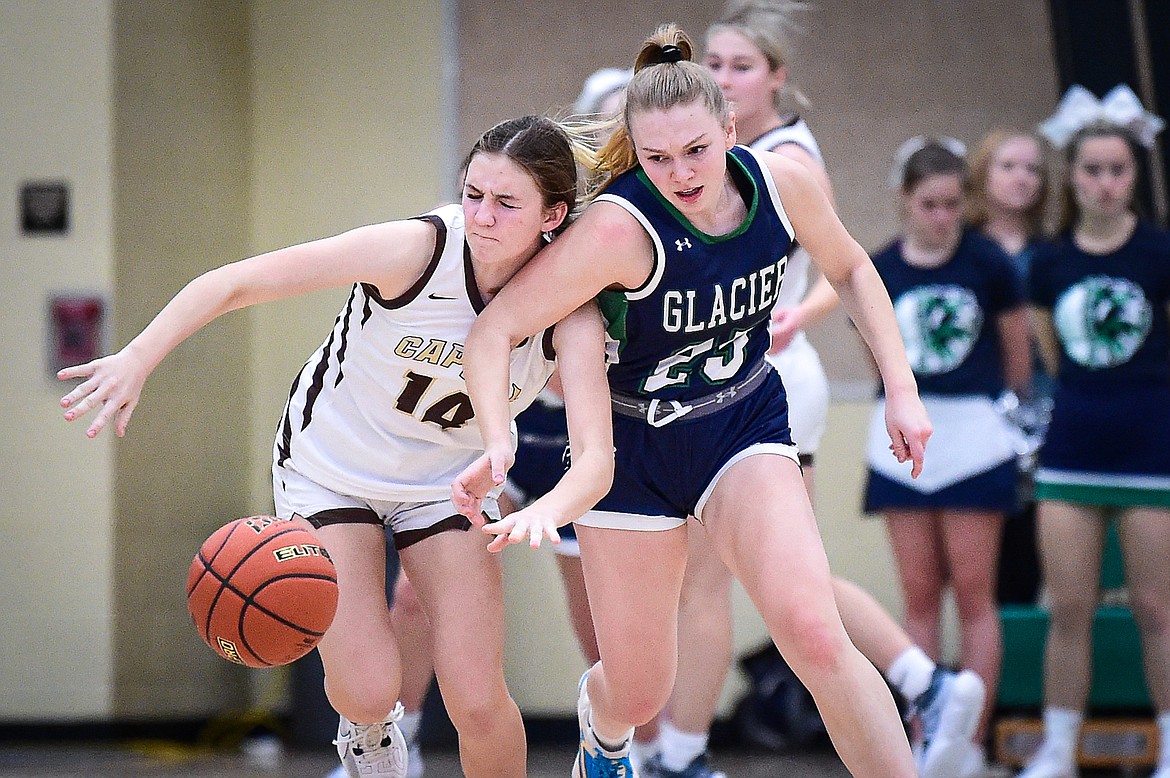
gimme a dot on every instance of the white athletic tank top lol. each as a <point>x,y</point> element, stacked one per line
<point>380,410</point>
<point>796,131</point>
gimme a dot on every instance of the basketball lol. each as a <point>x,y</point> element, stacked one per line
<point>262,591</point>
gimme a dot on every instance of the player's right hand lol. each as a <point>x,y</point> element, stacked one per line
<point>786,322</point>
<point>113,385</point>
<point>501,459</point>
<point>470,487</point>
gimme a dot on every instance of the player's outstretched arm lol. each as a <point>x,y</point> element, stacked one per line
<point>389,255</point>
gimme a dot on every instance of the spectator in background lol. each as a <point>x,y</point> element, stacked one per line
<point>1008,203</point>
<point>601,94</point>
<point>960,307</point>
<point>1101,290</point>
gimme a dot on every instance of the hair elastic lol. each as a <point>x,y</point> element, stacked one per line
<point>671,53</point>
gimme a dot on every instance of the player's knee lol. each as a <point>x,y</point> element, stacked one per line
<point>815,648</point>
<point>1072,610</point>
<point>363,692</point>
<point>408,610</point>
<point>1150,609</point>
<point>640,709</point>
<point>475,714</point>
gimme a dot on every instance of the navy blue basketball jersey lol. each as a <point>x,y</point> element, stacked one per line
<point>700,320</point>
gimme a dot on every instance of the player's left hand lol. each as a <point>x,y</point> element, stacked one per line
<point>532,524</point>
<point>909,428</point>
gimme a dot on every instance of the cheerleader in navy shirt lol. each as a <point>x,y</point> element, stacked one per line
<point>960,307</point>
<point>1101,292</point>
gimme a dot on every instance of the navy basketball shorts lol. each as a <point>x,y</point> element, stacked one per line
<point>664,474</point>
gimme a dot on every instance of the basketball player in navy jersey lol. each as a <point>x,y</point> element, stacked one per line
<point>747,50</point>
<point>378,424</point>
<point>687,246</point>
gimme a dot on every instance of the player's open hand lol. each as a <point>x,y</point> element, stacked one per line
<point>909,428</point>
<point>786,322</point>
<point>532,525</point>
<point>112,386</point>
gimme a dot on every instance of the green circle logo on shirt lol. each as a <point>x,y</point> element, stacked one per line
<point>939,325</point>
<point>1102,321</point>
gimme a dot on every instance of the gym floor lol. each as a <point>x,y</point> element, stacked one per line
<point>80,761</point>
<point>131,760</point>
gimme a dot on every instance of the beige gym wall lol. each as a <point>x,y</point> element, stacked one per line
<point>56,573</point>
<point>192,133</point>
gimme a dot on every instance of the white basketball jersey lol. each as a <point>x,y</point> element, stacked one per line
<point>796,131</point>
<point>381,410</point>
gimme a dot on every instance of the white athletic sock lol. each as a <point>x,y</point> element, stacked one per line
<point>642,750</point>
<point>1164,746</point>
<point>911,672</point>
<point>679,748</point>
<point>1062,726</point>
<point>605,744</point>
<point>409,726</point>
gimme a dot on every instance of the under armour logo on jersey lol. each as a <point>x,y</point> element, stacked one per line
<point>685,243</point>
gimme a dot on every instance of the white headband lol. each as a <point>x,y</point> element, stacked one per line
<point>913,146</point>
<point>600,85</point>
<point>1079,108</point>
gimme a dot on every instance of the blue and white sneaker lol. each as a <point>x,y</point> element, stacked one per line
<point>593,761</point>
<point>700,767</point>
<point>372,750</point>
<point>950,709</point>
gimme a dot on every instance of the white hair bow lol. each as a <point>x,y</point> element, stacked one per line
<point>914,145</point>
<point>1079,108</point>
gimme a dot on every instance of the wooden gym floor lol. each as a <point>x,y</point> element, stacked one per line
<point>80,761</point>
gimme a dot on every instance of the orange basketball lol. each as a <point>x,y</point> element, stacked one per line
<point>262,591</point>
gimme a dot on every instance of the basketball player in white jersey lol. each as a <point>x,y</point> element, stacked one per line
<point>378,423</point>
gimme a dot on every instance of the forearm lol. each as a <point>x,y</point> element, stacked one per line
<point>486,373</point>
<point>1015,339</point>
<point>865,299</point>
<point>1045,335</point>
<point>201,301</point>
<point>587,481</point>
